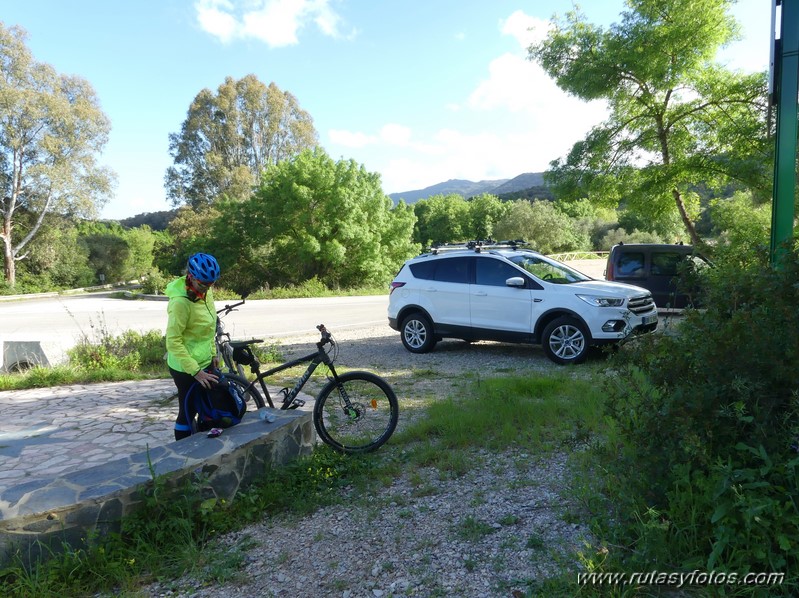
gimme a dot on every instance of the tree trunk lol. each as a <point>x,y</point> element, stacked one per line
<point>9,267</point>
<point>689,225</point>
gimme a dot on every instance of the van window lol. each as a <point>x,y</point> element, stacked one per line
<point>665,264</point>
<point>631,264</point>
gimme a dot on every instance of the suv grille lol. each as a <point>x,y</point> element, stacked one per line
<point>641,304</point>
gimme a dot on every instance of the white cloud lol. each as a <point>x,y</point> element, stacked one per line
<point>274,22</point>
<point>453,154</point>
<point>516,120</point>
<point>524,28</point>
<point>350,139</point>
<point>395,134</point>
<point>213,18</point>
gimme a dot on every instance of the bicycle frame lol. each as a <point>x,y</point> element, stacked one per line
<point>223,341</point>
<point>316,359</point>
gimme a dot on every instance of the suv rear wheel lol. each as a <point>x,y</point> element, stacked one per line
<point>565,341</point>
<point>417,333</point>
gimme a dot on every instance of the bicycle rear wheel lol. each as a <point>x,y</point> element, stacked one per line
<point>356,414</point>
<point>249,391</point>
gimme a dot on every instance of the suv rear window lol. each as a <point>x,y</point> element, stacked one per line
<point>454,269</point>
<point>424,270</point>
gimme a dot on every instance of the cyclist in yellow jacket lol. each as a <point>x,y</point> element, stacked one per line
<point>190,331</point>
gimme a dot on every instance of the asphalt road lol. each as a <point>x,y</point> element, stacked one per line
<point>59,323</point>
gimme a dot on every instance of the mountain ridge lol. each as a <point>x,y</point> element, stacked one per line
<point>510,188</point>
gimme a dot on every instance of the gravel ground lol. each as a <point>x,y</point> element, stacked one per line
<point>493,532</point>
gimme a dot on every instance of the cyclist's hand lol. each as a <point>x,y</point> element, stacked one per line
<point>206,379</point>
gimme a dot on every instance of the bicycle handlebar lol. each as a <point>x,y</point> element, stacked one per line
<point>229,308</point>
<point>326,336</point>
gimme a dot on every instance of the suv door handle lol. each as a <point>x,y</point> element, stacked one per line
<point>480,294</point>
<point>537,300</point>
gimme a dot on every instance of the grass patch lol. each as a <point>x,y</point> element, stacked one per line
<point>536,413</point>
<point>473,530</point>
<point>43,377</point>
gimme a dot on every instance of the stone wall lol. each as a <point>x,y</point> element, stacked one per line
<point>43,515</point>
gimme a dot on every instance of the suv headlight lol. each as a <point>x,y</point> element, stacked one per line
<point>599,301</point>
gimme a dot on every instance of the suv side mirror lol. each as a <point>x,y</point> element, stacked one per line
<point>515,281</point>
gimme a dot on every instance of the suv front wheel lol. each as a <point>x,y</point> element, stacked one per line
<point>565,341</point>
<point>417,333</point>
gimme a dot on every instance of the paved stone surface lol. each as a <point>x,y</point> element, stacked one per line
<point>47,432</point>
<point>74,459</point>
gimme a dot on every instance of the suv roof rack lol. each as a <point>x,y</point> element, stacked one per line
<point>477,246</point>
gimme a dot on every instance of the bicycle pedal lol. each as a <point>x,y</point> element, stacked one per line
<point>296,403</point>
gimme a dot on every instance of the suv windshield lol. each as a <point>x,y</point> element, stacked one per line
<point>549,270</point>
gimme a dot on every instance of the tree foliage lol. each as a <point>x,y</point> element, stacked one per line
<point>230,137</point>
<point>676,119</point>
<point>484,212</point>
<point>116,254</point>
<point>451,218</point>
<point>442,219</point>
<point>57,259</point>
<point>741,223</point>
<point>539,223</point>
<point>188,232</point>
<point>311,218</point>
<point>51,129</point>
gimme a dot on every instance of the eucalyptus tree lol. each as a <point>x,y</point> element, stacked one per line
<point>51,130</point>
<point>677,118</point>
<point>230,137</point>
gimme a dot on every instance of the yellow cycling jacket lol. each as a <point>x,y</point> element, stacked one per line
<point>190,330</point>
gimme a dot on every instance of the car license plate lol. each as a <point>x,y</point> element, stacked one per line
<point>649,319</point>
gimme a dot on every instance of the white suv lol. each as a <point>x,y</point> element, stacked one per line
<point>501,292</point>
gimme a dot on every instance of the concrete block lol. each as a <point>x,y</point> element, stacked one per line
<point>20,355</point>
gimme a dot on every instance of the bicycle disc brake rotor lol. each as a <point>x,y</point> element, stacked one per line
<point>355,411</point>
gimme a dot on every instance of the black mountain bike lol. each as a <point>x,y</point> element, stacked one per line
<point>355,412</point>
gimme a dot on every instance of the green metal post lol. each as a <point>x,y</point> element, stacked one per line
<point>787,92</point>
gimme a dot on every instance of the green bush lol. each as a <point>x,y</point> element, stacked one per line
<point>155,282</point>
<point>129,351</point>
<point>705,417</point>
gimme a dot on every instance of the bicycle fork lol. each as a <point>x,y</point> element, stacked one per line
<point>351,411</point>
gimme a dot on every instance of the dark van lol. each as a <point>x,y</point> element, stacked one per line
<point>659,268</point>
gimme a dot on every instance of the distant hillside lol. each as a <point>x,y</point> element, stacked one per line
<point>155,220</point>
<point>529,185</point>
<point>459,186</point>
<point>520,183</point>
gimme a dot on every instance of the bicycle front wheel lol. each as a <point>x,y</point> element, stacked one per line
<point>247,390</point>
<point>356,413</point>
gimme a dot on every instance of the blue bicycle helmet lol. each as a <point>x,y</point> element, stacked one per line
<point>203,267</point>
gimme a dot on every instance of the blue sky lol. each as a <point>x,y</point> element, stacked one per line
<point>419,91</point>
